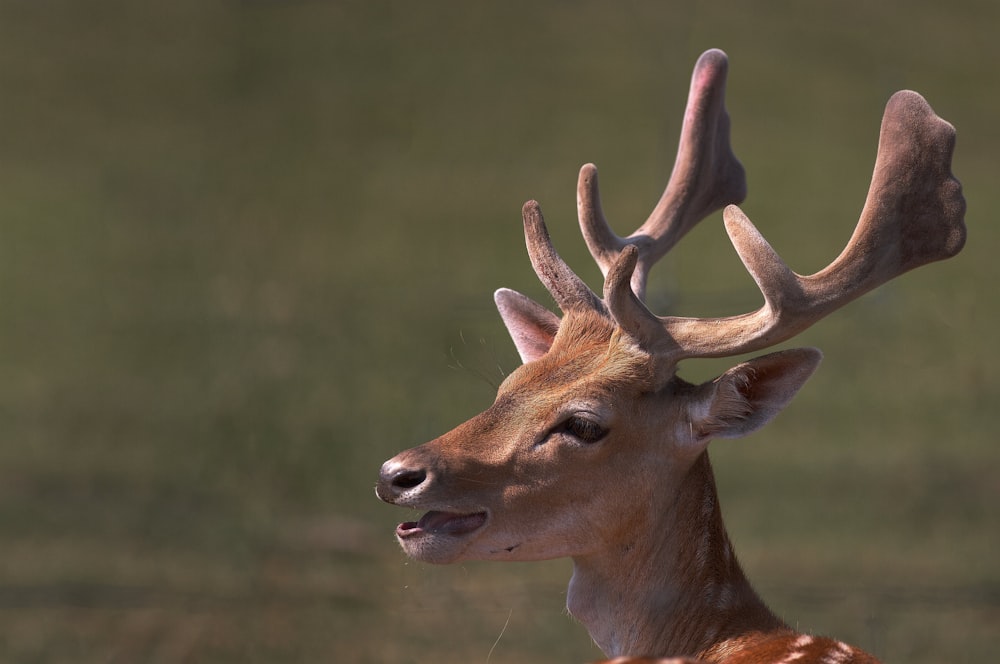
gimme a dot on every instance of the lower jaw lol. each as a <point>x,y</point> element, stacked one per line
<point>435,549</point>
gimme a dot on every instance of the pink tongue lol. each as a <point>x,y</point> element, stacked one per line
<point>451,524</point>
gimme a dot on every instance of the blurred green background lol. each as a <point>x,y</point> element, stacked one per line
<point>247,251</point>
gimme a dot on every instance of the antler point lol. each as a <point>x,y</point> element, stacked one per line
<point>531,213</point>
<point>732,215</point>
<point>587,181</point>
<point>713,56</point>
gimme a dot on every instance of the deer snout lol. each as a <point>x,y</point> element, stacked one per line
<point>397,478</point>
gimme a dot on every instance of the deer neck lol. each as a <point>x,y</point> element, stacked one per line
<point>674,589</point>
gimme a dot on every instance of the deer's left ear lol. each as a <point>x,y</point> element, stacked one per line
<point>749,395</point>
<point>531,326</point>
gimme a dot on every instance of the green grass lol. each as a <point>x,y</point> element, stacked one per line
<point>247,251</point>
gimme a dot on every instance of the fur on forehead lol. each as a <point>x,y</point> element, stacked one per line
<point>590,345</point>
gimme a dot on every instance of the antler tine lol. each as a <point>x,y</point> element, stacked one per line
<point>569,291</point>
<point>706,176</point>
<point>913,215</point>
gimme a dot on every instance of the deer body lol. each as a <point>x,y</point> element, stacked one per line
<point>595,449</point>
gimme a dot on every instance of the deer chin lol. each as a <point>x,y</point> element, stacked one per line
<point>440,536</point>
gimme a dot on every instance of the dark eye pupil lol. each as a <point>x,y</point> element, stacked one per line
<point>586,430</point>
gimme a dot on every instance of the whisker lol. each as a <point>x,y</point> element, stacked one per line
<point>488,656</point>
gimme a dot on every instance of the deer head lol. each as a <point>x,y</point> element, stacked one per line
<point>595,448</point>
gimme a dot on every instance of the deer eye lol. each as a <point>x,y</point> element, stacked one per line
<point>584,429</point>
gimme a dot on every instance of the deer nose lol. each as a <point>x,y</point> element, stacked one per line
<point>396,479</point>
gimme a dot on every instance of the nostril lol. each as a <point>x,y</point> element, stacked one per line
<point>398,480</point>
<point>407,478</point>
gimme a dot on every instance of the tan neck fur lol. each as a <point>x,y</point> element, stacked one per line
<point>666,591</point>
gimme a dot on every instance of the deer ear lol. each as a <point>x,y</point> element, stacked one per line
<point>749,395</point>
<point>532,327</point>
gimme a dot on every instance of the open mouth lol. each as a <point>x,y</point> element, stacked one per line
<point>442,523</point>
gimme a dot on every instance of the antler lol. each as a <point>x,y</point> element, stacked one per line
<point>913,215</point>
<point>706,176</point>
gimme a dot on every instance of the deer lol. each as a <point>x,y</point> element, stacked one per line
<point>597,450</point>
